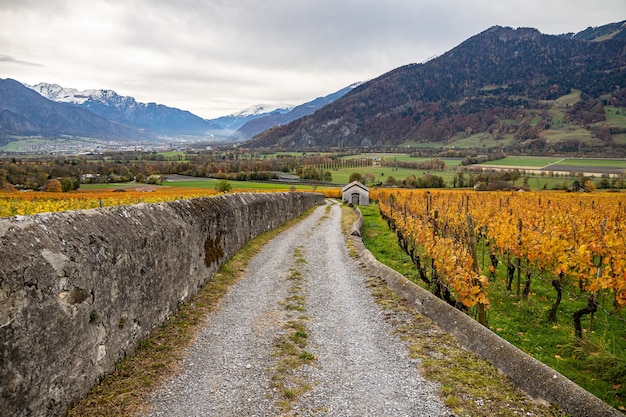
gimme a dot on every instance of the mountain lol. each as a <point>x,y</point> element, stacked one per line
<point>260,124</point>
<point>231,123</point>
<point>156,118</point>
<point>610,31</point>
<point>504,88</point>
<point>162,121</point>
<point>24,112</point>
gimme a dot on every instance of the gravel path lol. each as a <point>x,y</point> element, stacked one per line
<point>360,367</point>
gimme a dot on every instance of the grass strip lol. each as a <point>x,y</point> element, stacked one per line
<point>290,346</point>
<point>468,385</point>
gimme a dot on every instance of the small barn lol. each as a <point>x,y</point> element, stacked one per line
<point>356,193</point>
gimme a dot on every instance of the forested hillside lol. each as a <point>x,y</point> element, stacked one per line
<point>516,87</point>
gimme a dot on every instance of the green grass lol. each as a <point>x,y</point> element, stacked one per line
<point>491,87</point>
<point>598,363</point>
<point>342,175</point>
<point>211,183</point>
<point>567,133</point>
<point>174,156</point>
<point>615,117</point>
<point>400,157</point>
<point>479,141</point>
<point>568,100</point>
<point>32,144</point>
<point>290,346</point>
<point>620,138</point>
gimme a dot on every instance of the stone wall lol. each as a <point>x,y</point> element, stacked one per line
<point>79,290</point>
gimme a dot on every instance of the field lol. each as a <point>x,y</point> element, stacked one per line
<point>542,172</point>
<point>526,161</point>
<point>32,145</point>
<point>615,117</point>
<point>479,141</point>
<point>586,166</point>
<point>341,176</point>
<point>570,133</point>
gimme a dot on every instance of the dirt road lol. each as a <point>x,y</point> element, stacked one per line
<point>299,335</point>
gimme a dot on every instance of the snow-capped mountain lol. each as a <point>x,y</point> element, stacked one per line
<point>262,123</point>
<point>232,122</point>
<point>264,109</point>
<point>152,117</point>
<point>27,113</point>
<point>59,94</point>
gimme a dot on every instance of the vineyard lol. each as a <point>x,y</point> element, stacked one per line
<point>34,202</point>
<point>567,251</point>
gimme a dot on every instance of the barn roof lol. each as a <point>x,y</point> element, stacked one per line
<point>354,184</point>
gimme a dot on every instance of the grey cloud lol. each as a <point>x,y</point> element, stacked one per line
<point>9,58</point>
<point>203,52</point>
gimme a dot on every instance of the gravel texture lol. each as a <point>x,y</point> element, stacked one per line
<point>360,367</point>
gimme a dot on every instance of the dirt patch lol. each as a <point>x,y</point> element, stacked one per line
<point>585,170</point>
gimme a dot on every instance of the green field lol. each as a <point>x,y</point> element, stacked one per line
<point>535,181</point>
<point>208,183</point>
<point>240,185</point>
<point>568,100</point>
<point>342,175</point>
<point>36,144</point>
<point>400,157</point>
<point>479,141</point>
<point>569,133</point>
<point>620,138</point>
<point>615,117</point>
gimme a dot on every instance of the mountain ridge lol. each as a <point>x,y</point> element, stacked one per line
<point>24,112</point>
<point>153,117</point>
<point>167,121</point>
<point>260,124</point>
<point>482,85</point>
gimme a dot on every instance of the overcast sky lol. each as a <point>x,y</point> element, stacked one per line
<point>216,57</point>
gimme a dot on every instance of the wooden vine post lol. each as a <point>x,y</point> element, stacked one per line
<point>481,311</point>
<point>518,282</point>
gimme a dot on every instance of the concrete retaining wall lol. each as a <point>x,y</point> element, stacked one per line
<point>79,290</point>
<point>533,377</point>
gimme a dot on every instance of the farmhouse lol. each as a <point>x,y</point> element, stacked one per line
<point>356,193</point>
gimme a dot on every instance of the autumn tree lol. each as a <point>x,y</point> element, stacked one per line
<point>53,186</point>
